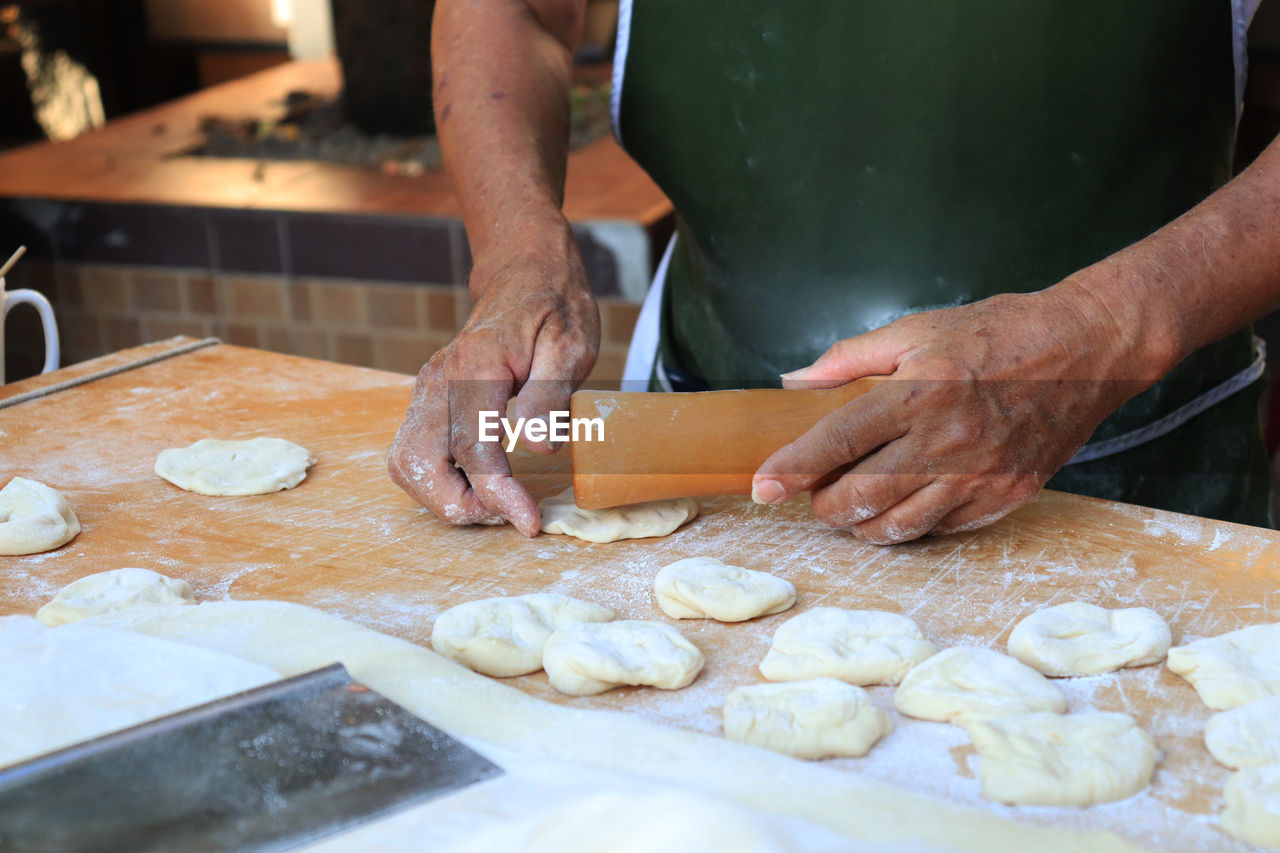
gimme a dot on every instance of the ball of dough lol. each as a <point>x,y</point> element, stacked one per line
<point>1048,759</point>
<point>857,646</point>
<point>706,588</point>
<point>818,718</point>
<point>1247,736</point>
<point>966,683</point>
<point>505,636</point>
<point>257,466</point>
<point>1253,805</point>
<point>589,658</point>
<point>1078,638</point>
<point>34,518</point>
<point>107,592</point>
<point>637,521</point>
<point>1233,669</point>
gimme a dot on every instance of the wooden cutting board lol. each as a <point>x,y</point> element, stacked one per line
<point>348,541</point>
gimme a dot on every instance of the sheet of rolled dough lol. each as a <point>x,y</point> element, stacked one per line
<point>293,639</point>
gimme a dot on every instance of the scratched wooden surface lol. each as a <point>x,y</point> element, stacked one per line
<point>348,541</point>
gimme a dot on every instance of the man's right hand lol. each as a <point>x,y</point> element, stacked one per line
<point>534,332</point>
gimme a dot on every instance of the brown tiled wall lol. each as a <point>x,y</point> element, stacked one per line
<point>388,325</point>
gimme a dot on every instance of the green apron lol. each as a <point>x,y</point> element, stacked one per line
<point>838,164</point>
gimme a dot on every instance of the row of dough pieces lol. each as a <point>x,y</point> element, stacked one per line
<point>1032,752</point>
<point>35,518</point>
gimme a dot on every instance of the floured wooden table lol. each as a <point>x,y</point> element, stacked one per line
<point>349,542</point>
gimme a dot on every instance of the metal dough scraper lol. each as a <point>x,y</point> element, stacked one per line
<point>266,769</point>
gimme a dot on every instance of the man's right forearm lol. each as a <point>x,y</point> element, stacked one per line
<point>502,74</point>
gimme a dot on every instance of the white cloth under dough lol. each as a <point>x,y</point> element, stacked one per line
<point>637,521</point>
<point>1233,669</point>
<point>707,588</point>
<point>1078,638</point>
<point>671,821</point>
<point>818,718</point>
<point>1253,806</point>
<point>857,646</point>
<point>34,518</point>
<point>256,466</point>
<point>294,639</point>
<point>1047,759</point>
<point>505,636</point>
<point>966,683</point>
<point>1247,736</point>
<point>587,658</point>
<point>117,589</point>
<point>66,684</point>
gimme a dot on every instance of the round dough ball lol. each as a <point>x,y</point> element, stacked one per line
<point>1247,736</point>
<point>589,658</point>
<point>505,636</point>
<point>857,646</point>
<point>818,718</point>
<point>1233,669</point>
<point>107,592</point>
<point>706,588</point>
<point>966,683</point>
<point>257,466</point>
<point>1062,760</point>
<point>637,521</point>
<point>1078,638</point>
<point>1253,805</point>
<point>34,518</point>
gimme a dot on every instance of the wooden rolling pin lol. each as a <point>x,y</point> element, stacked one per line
<point>659,445</point>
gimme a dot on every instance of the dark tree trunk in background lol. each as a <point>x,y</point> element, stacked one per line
<point>385,50</point>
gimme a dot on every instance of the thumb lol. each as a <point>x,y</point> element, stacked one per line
<point>552,378</point>
<point>876,353</point>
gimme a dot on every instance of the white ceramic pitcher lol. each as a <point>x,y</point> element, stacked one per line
<point>8,299</point>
